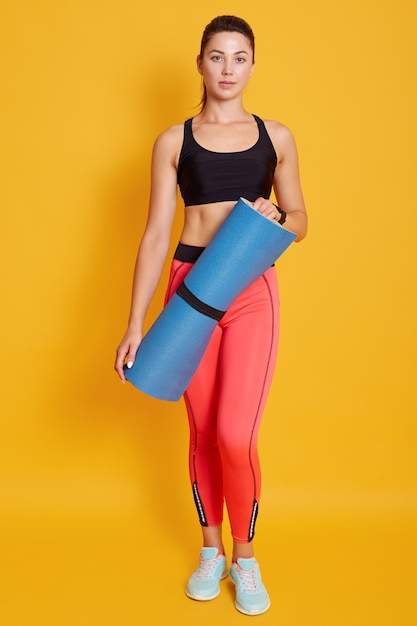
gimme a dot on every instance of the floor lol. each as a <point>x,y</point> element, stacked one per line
<point>321,569</point>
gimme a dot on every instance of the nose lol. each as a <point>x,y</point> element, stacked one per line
<point>227,69</point>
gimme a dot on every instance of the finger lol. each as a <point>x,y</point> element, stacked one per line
<point>265,207</point>
<point>258,203</point>
<point>272,213</point>
<point>266,210</point>
<point>131,355</point>
<point>118,365</point>
<point>269,210</point>
<point>130,359</point>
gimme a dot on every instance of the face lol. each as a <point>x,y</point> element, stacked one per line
<point>227,65</point>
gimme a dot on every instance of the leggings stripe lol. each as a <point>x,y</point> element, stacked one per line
<point>199,505</point>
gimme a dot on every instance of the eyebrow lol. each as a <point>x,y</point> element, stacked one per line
<point>221,52</point>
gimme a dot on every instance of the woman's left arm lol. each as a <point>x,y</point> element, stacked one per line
<point>287,185</point>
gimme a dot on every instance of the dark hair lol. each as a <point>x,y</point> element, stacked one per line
<point>223,24</point>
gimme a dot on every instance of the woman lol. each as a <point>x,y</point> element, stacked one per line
<point>223,153</point>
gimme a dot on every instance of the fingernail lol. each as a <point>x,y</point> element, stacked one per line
<point>129,364</point>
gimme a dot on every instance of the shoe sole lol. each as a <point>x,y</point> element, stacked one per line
<point>205,598</point>
<point>245,612</point>
<point>201,598</point>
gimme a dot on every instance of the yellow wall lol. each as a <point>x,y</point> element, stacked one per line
<point>86,86</point>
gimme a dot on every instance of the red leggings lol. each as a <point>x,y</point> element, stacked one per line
<point>225,400</point>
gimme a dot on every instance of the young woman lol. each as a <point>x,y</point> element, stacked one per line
<point>222,153</point>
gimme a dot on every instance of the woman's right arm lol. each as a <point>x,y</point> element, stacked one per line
<point>154,245</point>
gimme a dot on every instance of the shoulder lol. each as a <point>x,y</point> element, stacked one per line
<point>281,137</point>
<point>170,137</point>
<point>278,131</point>
<point>168,143</point>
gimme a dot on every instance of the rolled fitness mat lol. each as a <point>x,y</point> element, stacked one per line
<point>244,247</point>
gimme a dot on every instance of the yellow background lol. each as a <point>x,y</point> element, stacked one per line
<point>95,502</point>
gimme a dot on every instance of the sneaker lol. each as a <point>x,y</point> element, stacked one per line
<point>204,583</point>
<point>251,595</point>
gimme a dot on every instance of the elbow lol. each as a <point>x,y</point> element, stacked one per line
<point>156,243</point>
<point>298,224</point>
<point>301,235</point>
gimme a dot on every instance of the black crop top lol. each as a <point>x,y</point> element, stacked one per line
<point>205,176</point>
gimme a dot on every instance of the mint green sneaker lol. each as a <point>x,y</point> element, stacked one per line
<point>204,583</point>
<point>251,595</point>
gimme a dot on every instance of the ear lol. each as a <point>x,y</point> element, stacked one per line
<point>199,62</point>
<point>252,69</point>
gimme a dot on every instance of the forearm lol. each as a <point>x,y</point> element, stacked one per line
<point>148,269</point>
<point>297,222</point>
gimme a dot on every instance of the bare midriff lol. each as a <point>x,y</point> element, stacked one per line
<point>201,222</point>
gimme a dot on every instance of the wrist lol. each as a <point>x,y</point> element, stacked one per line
<point>282,214</point>
<point>135,324</point>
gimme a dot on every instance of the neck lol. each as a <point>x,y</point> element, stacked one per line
<point>224,112</point>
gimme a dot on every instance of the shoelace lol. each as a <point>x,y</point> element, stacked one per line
<point>206,567</point>
<point>248,578</point>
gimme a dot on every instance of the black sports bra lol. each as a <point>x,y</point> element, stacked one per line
<point>205,176</point>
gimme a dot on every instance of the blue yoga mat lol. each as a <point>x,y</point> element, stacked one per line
<point>244,247</point>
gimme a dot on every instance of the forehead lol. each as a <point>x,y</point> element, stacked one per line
<point>229,42</point>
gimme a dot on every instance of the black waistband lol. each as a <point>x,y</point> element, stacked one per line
<point>187,254</point>
<point>190,254</point>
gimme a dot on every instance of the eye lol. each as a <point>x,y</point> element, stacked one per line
<point>216,57</point>
<point>240,59</point>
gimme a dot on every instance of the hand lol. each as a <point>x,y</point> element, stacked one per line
<point>266,208</point>
<point>126,352</point>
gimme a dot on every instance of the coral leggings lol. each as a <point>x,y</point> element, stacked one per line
<point>225,400</point>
